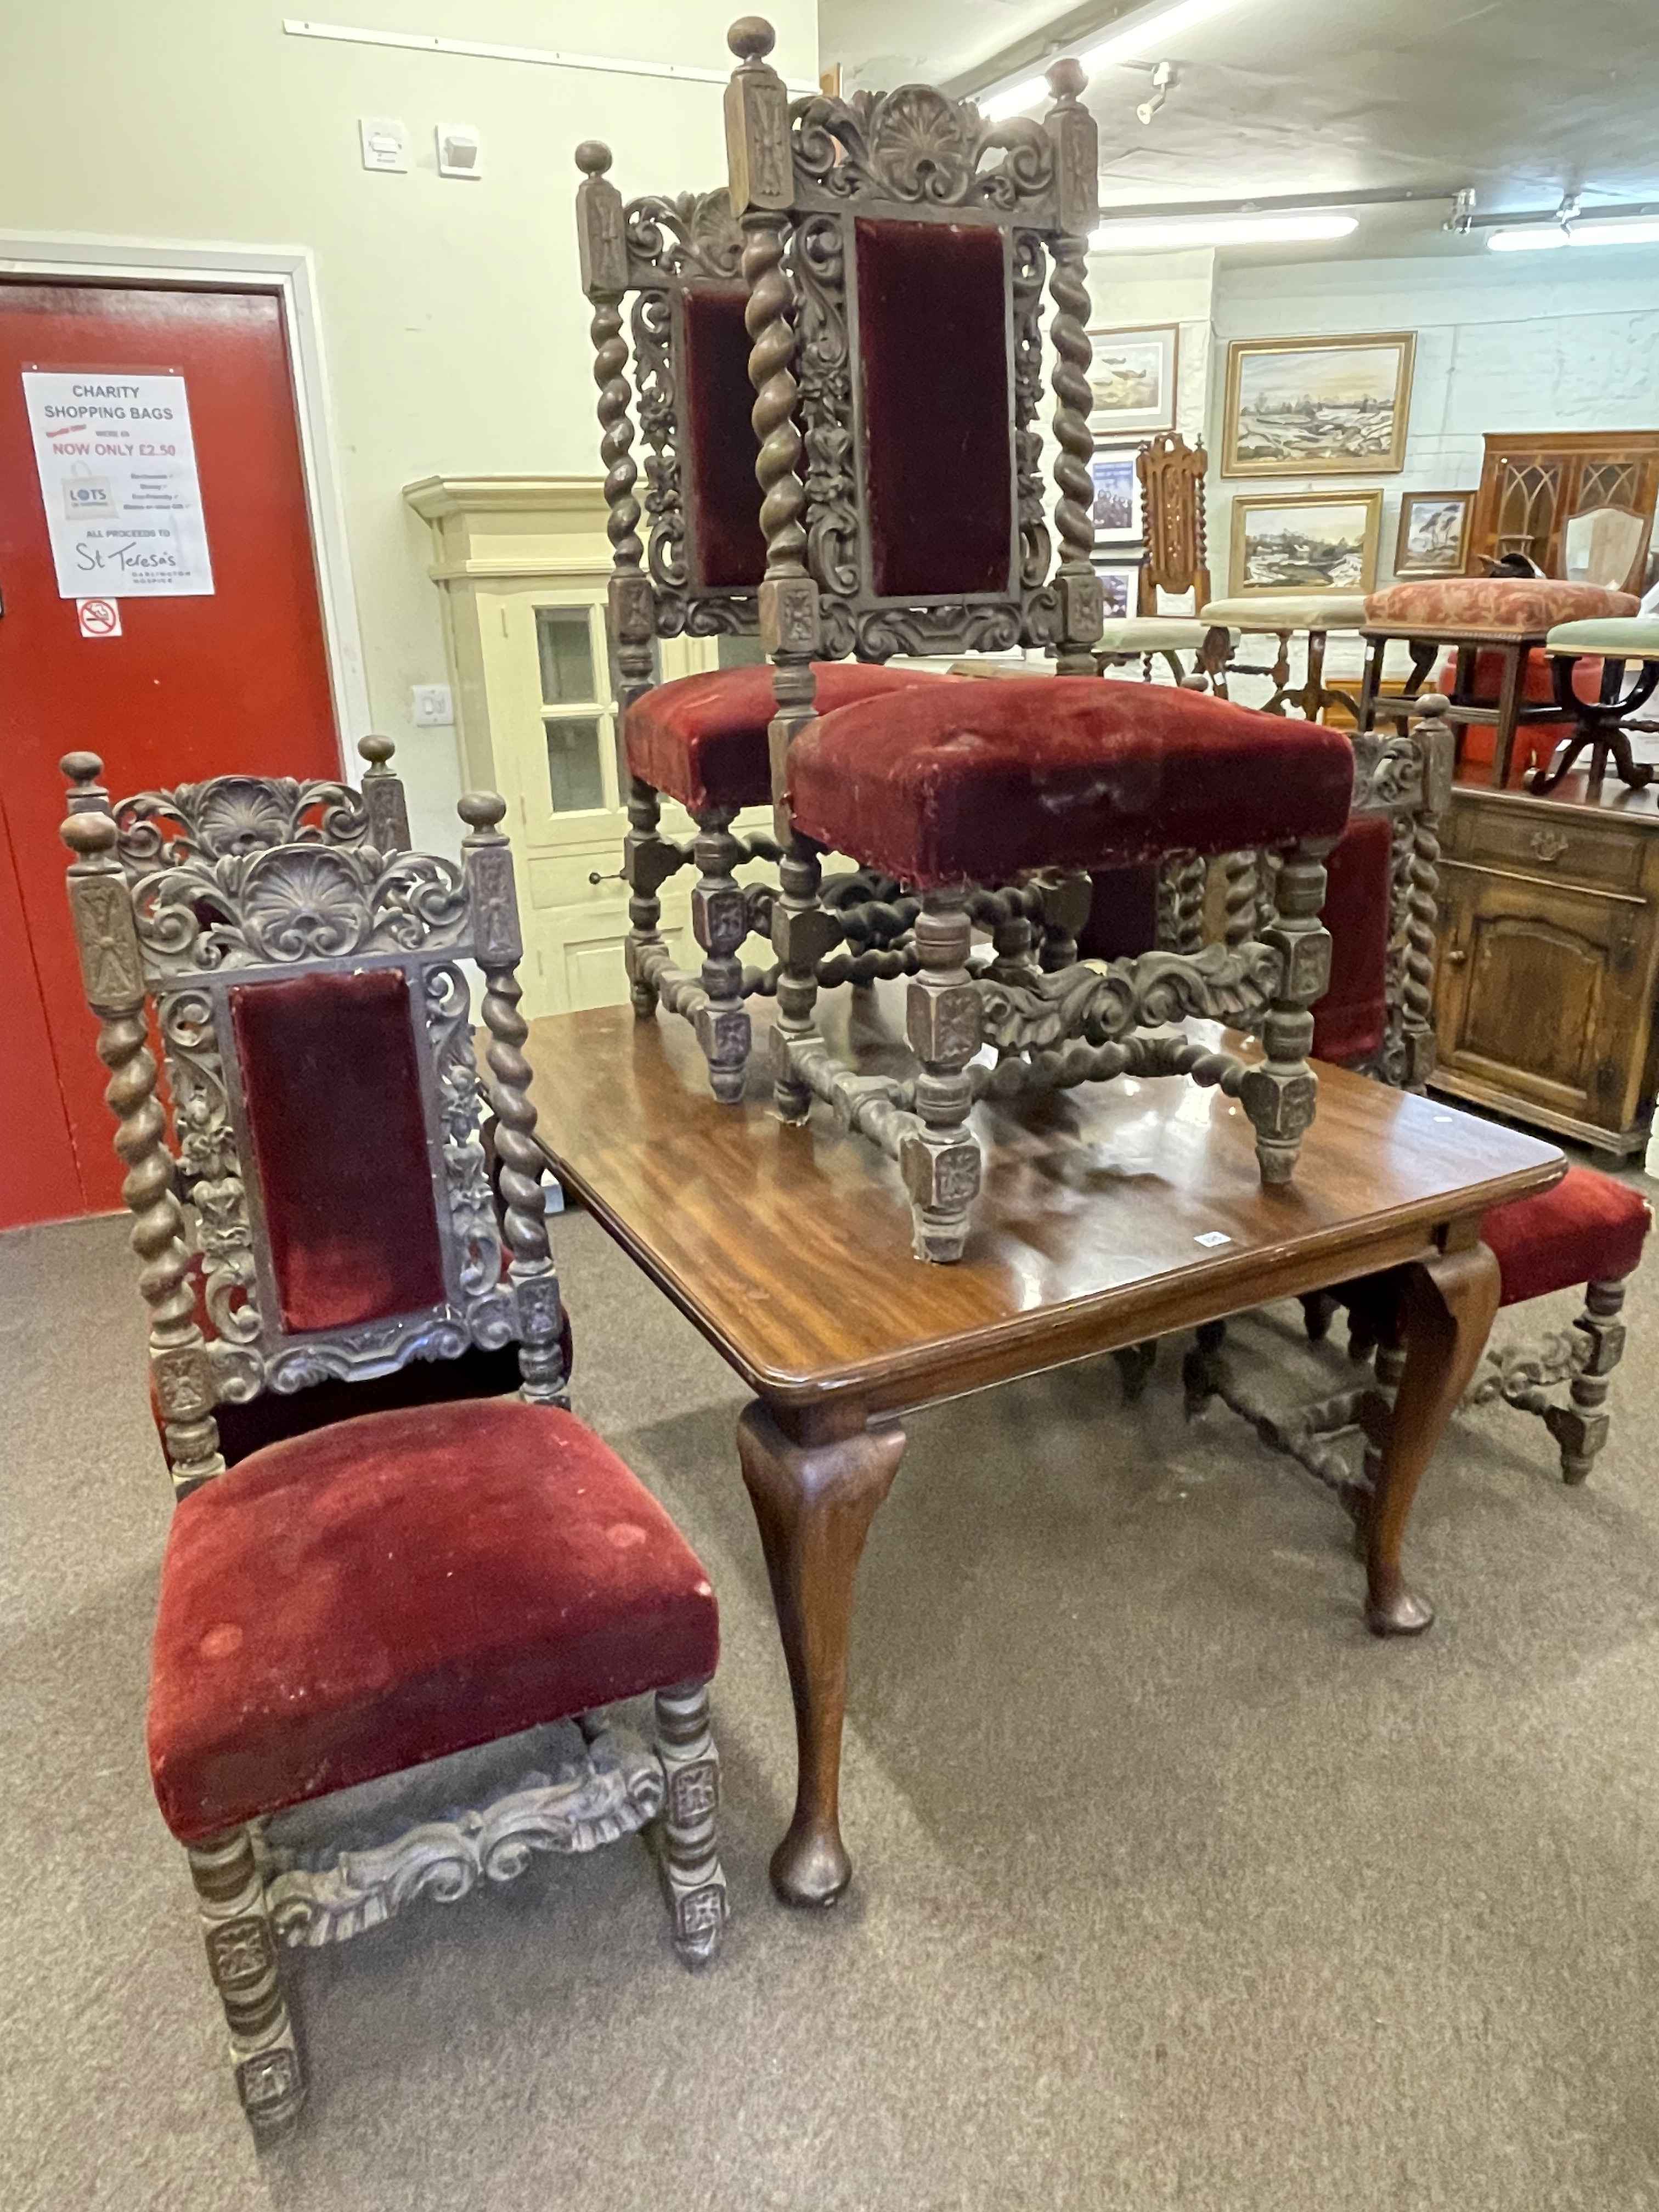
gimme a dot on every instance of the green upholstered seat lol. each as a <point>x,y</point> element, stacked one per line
<point>1618,637</point>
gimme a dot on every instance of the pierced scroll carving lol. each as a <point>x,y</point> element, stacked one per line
<point>293,902</point>
<point>825,374</point>
<point>234,814</point>
<point>690,234</point>
<point>1224,983</point>
<point>566,1796</point>
<point>914,144</point>
<point>1030,273</point>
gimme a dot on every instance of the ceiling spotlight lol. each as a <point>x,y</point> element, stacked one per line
<point>1170,236</point>
<point>1164,84</point>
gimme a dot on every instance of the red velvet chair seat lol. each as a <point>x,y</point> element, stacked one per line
<point>702,739</point>
<point>1349,1021</point>
<point>381,1592</point>
<point>972,782</point>
<point>1587,1229</point>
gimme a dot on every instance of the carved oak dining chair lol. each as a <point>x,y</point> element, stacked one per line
<point>674,263</point>
<point>895,251</point>
<point>1175,559</point>
<point>349,1613</point>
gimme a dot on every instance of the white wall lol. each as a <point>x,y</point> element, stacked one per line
<point>1508,343</point>
<point>454,329</point>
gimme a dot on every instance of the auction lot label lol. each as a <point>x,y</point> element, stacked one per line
<point>116,463</point>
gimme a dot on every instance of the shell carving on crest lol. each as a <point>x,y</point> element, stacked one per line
<point>232,814</point>
<point>915,144</point>
<point>308,906</point>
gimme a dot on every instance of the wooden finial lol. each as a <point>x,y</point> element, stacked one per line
<point>1066,77</point>
<point>593,157</point>
<point>376,750</point>
<point>481,810</point>
<point>88,832</point>
<point>751,38</point>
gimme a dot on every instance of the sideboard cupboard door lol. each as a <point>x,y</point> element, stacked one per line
<point>1540,991</point>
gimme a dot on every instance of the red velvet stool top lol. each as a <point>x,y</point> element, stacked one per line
<point>702,739</point>
<point>969,782</point>
<point>1586,1228</point>
<point>389,1589</point>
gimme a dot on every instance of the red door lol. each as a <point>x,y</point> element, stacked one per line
<point>192,687</point>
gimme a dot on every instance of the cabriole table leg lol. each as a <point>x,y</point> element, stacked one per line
<point>815,1485</point>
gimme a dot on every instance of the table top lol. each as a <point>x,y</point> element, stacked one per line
<point>790,1247</point>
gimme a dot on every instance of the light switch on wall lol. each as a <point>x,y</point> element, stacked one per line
<point>433,707</point>
<point>385,142</point>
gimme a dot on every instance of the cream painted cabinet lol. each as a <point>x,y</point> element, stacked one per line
<point>522,563</point>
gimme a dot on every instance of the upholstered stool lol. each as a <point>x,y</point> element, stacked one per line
<point>1281,615</point>
<point>1588,1230</point>
<point>1536,740</point>
<point>1506,616</point>
<point>1589,657</point>
<point>975,783</point>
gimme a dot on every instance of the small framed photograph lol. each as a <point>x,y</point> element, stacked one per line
<point>1310,407</point>
<point>1310,542</point>
<point>1133,377</point>
<point>1120,585</point>
<point>1117,508</point>
<point>1434,533</point>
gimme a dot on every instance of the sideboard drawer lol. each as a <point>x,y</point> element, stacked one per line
<point>1537,840</point>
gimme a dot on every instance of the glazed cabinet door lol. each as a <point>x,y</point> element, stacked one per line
<point>1539,994</point>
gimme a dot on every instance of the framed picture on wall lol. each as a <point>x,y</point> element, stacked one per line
<point>1120,585</point>
<point>1117,501</point>
<point>1311,407</point>
<point>1133,377</point>
<point>1434,533</point>
<point>1307,542</point>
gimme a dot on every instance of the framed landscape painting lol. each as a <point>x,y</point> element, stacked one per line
<point>1117,501</point>
<point>1133,377</point>
<point>1311,407</point>
<point>1313,542</point>
<point>1434,533</point>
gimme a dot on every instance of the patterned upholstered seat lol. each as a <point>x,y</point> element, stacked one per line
<point>977,782</point>
<point>1496,602</point>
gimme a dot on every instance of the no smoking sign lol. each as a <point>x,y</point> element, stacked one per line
<point>99,618</point>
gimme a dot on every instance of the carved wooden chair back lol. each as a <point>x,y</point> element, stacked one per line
<point>317,1031</point>
<point>679,261</point>
<point>1172,474</point>
<point>895,250</point>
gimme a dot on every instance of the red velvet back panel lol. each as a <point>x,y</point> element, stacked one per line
<point>716,396</point>
<point>1349,1021</point>
<point>332,1087</point>
<point>933,302</point>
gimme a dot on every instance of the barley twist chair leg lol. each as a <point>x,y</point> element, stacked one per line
<point>941,1162</point>
<point>648,859</point>
<point>691,1865</point>
<point>1580,1427</point>
<point>241,1951</point>
<point>720,924</point>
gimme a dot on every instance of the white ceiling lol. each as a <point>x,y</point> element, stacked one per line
<point>1520,99</point>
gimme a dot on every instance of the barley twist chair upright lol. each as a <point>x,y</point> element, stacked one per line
<point>674,263</point>
<point>896,249</point>
<point>384,1645</point>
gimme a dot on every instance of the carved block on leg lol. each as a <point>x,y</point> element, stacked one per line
<point>691,1867</point>
<point>241,1952</point>
<point>1581,1429</point>
<point>941,1164</point>
<point>719,923</point>
<point>1281,1096</point>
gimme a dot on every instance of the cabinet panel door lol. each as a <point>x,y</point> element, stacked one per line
<point>1539,988</point>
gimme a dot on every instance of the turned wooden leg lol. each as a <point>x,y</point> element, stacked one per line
<point>1214,653</point>
<point>648,859</point>
<point>940,1163</point>
<point>720,925</point>
<point>1447,1307</point>
<point>803,934</point>
<point>1319,1310</point>
<point>815,1488</point>
<point>1509,713</point>
<point>1580,1427</point>
<point>691,1863</point>
<point>1281,1095</point>
<point>241,1952</point>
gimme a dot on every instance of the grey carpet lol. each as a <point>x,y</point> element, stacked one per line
<point>1174,1888</point>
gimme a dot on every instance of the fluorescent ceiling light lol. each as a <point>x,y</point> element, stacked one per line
<point>1218,230</point>
<point>1151,32</point>
<point>1547,237</point>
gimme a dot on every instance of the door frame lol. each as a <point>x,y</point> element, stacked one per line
<point>289,273</point>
